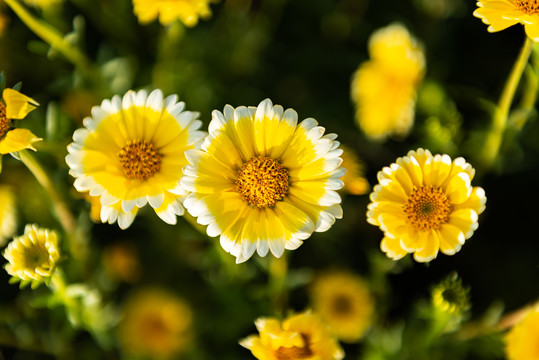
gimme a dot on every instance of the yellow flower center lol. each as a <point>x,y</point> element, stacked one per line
<point>262,182</point>
<point>4,121</point>
<point>529,7</point>
<point>427,208</point>
<point>139,160</point>
<point>294,352</point>
<point>36,256</point>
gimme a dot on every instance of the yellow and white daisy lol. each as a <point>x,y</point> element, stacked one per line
<point>32,256</point>
<point>522,341</point>
<point>187,11</point>
<point>262,181</point>
<point>501,14</point>
<point>131,153</point>
<point>8,214</point>
<point>384,88</point>
<point>15,106</point>
<point>425,204</point>
<point>301,336</point>
<point>343,300</point>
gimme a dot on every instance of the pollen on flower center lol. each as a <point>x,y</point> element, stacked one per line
<point>262,182</point>
<point>294,352</point>
<point>427,208</point>
<point>4,121</point>
<point>529,7</point>
<point>139,160</point>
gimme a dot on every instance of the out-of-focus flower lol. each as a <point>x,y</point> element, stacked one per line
<point>262,181</point>
<point>15,106</point>
<point>522,341</point>
<point>131,152</point>
<point>121,262</point>
<point>451,296</point>
<point>343,300</point>
<point>424,204</point>
<point>384,88</point>
<point>8,214</point>
<point>501,14</point>
<point>187,11</point>
<point>354,180</point>
<point>4,22</point>
<point>43,4</point>
<point>32,256</point>
<point>301,336</point>
<point>156,324</point>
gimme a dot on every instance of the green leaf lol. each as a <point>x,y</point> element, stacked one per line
<point>17,86</point>
<point>2,81</point>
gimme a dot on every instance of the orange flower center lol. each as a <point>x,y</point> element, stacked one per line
<point>529,7</point>
<point>427,208</point>
<point>139,160</point>
<point>294,352</point>
<point>4,121</point>
<point>262,182</point>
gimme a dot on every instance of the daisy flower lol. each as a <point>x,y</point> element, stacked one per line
<point>301,336</point>
<point>501,14</point>
<point>522,341</point>
<point>187,11</point>
<point>425,204</point>
<point>131,153</point>
<point>262,181</point>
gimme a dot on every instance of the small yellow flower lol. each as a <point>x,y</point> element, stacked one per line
<point>501,14</point>
<point>33,256</point>
<point>8,216</point>
<point>15,106</point>
<point>156,324</point>
<point>354,180</point>
<point>262,181</point>
<point>522,341</point>
<point>450,296</point>
<point>343,300</point>
<point>131,152</point>
<point>187,11</point>
<point>301,336</point>
<point>425,204</point>
<point>384,88</point>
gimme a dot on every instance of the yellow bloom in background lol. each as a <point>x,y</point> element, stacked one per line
<point>262,181</point>
<point>343,300</point>
<point>43,4</point>
<point>32,256</point>
<point>354,180</point>
<point>8,214</point>
<point>131,153</point>
<point>384,88</point>
<point>120,261</point>
<point>522,341</point>
<point>156,324</point>
<point>425,204</point>
<point>187,11</point>
<point>15,106</point>
<point>501,14</point>
<point>301,336</point>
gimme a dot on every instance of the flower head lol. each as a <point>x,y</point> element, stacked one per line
<point>301,336</point>
<point>262,181</point>
<point>8,218</point>
<point>15,106</point>
<point>384,87</point>
<point>32,256</point>
<point>425,204</point>
<point>156,324</point>
<point>343,300</point>
<point>501,14</point>
<point>187,11</point>
<point>522,341</point>
<point>450,296</point>
<point>131,153</point>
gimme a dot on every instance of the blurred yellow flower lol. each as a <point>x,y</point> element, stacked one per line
<point>501,14</point>
<point>121,262</point>
<point>384,88</point>
<point>424,204</point>
<point>15,106</point>
<point>33,255</point>
<point>131,152</point>
<point>343,300</point>
<point>354,180</point>
<point>8,214</point>
<point>450,296</point>
<point>187,11</point>
<point>262,181</point>
<point>301,336</point>
<point>156,324</point>
<point>522,341</point>
<point>42,4</point>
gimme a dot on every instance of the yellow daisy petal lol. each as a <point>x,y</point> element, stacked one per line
<point>501,14</point>
<point>17,104</point>
<point>17,140</point>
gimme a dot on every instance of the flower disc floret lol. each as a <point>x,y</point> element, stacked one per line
<point>425,204</point>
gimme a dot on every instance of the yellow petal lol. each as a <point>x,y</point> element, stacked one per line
<point>18,139</point>
<point>17,104</point>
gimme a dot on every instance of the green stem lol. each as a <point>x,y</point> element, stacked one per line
<point>278,268</point>
<point>494,138</point>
